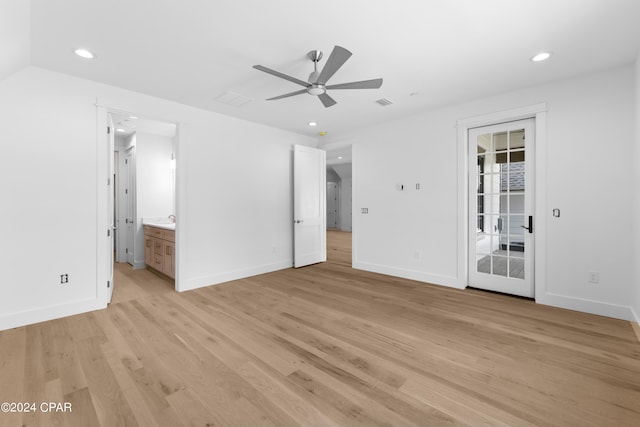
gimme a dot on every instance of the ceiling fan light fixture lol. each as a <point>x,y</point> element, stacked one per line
<point>316,89</point>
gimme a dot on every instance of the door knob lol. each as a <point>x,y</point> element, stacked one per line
<point>298,221</point>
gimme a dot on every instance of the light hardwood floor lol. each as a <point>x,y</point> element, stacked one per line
<point>324,345</point>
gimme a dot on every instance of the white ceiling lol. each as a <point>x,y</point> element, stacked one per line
<point>448,51</point>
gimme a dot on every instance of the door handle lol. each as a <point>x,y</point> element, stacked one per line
<point>298,221</point>
<point>530,227</point>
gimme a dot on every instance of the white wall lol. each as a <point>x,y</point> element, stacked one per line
<point>344,170</point>
<point>15,36</point>
<point>332,176</point>
<point>345,204</point>
<point>48,132</point>
<point>234,194</point>
<point>589,174</point>
<point>154,185</point>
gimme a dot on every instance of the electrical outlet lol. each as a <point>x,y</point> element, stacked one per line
<point>594,277</point>
<point>64,278</point>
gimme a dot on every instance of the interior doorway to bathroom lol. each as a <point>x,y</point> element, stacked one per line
<point>143,165</point>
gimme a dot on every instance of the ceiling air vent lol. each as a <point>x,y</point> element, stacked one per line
<point>384,102</point>
<point>232,98</point>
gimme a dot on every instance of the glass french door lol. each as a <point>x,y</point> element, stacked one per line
<point>501,223</point>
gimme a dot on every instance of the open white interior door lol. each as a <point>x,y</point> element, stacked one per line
<point>110,205</point>
<point>309,211</point>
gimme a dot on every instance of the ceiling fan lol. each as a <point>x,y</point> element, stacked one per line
<point>317,82</point>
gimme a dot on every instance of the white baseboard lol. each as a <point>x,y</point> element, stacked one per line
<point>419,276</point>
<point>227,276</point>
<point>635,323</point>
<point>43,314</point>
<point>586,306</point>
<point>138,265</point>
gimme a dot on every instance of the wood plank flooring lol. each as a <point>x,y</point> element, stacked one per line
<point>324,345</point>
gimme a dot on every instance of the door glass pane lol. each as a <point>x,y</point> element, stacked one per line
<point>516,203</point>
<point>500,142</point>
<point>491,224</point>
<point>484,143</point>
<point>516,139</point>
<point>516,181</point>
<point>500,209</point>
<point>515,225</point>
<point>516,156</point>
<point>484,245</point>
<point>485,224</point>
<point>516,267</point>
<point>500,265</point>
<point>484,265</point>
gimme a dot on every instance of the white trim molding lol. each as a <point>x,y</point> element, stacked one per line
<point>43,314</point>
<point>228,276</point>
<point>635,323</point>
<point>537,112</point>
<point>420,276</point>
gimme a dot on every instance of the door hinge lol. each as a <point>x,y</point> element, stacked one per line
<point>108,130</point>
<point>108,284</point>
<point>126,161</point>
<point>126,251</point>
<point>126,191</point>
<point>108,233</point>
<point>108,181</point>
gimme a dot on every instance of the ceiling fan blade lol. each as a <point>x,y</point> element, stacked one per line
<point>326,100</point>
<point>364,84</point>
<point>338,57</point>
<point>279,74</point>
<point>286,95</point>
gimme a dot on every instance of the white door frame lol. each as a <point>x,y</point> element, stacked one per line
<point>537,112</point>
<point>102,240</point>
<point>130,211</point>
<point>490,280</point>
<point>121,234</point>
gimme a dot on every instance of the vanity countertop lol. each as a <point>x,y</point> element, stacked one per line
<point>165,225</point>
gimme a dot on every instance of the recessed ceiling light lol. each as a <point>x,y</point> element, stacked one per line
<point>84,53</point>
<point>542,56</point>
<point>120,130</point>
<point>339,157</point>
<point>313,124</point>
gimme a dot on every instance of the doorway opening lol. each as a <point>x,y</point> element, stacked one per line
<point>143,171</point>
<point>339,189</point>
